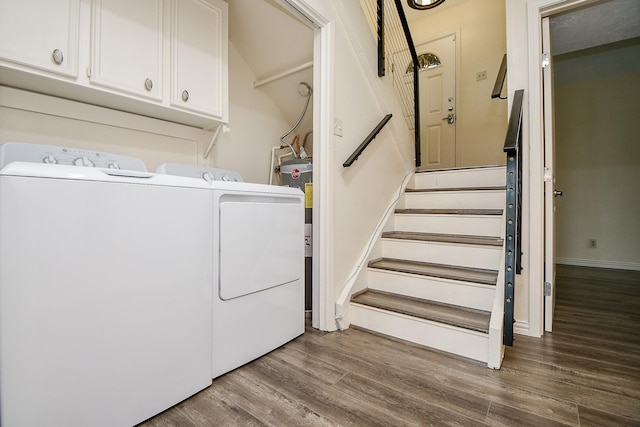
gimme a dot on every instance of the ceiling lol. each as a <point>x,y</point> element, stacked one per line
<point>272,41</point>
<point>594,25</point>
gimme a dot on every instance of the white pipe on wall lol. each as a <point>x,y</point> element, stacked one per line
<point>283,74</point>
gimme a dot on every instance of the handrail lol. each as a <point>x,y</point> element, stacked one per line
<point>354,156</point>
<point>502,74</point>
<point>513,243</point>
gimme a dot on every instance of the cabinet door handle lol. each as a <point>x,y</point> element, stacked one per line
<point>185,95</point>
<point>148,84</point>
<point>57,56</point>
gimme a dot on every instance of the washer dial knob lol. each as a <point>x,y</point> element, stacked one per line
<point>50,160</point>
<point>113,165</point>
<point>207,176</point>
<point>83,161</point>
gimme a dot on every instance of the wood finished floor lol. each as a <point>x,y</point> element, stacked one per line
<point>585,373</point>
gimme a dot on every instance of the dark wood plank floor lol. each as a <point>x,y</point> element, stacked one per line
<point>585,373</point>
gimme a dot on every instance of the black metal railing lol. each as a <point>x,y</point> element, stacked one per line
<point>380,31</point>
<point>513,245</point>
<point>500,78</point>
<point>408,39</point>
<point>354,156</point>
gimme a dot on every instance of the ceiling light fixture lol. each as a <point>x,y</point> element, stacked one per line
<point>424,4</point>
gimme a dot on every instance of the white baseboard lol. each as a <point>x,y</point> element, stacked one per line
<point>618,265</point>
<point>522,328</point>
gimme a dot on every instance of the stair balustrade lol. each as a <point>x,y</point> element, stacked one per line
<point>513,241</point>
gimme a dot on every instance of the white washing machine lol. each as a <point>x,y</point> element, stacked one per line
<point>258,263</point>
<point>105,288</point>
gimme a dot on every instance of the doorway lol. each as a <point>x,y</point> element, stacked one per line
<point>591,152</point>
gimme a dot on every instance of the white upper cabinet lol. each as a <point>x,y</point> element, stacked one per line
<point>158,58</point>
<point>199,57</point>
<point>41,34</point>
<point>126,48</point>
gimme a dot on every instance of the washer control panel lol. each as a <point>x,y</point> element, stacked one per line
<point>202,172</point>
<point>53,155</point>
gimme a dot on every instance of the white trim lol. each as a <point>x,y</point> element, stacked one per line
<point>618,265</point>
<point>522,328</point>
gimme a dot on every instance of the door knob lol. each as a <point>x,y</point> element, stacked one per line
<point>451,118</point>
<point>557,193</point>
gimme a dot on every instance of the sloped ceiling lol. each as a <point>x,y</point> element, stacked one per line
<point>271,41</point>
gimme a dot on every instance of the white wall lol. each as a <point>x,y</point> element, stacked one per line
<point>597,99</point>
<point>255,125</point>
<point>481,121</point>
<point>362,193</point>
<point>40,119</point>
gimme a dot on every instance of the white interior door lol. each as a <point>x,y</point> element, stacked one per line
<point>549,177</point>
<point>438,105</point>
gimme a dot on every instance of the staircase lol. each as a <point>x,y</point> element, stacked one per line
<point>435,283</point>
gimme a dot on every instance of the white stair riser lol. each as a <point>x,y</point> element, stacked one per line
<point>483,177</point>
<point>450,224</point>
<point>475,256</point>
<point>471,344</point>
<point>494,199</point>
<point>471,295</point>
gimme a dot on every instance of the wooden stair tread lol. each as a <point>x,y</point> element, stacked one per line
<point>433,190</point>
<point>463,317</point>
<point>444,238</point>
<point>465,274</point>
<point>488,212</point>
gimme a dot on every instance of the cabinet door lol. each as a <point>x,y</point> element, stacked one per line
<point>126,51</point>
<point>41,34</point>
<point>199,57</point>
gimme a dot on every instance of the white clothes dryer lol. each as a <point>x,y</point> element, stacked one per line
<point>105,288</point>
<point>258,264</point>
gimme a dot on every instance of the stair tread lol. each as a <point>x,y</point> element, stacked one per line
<point>460,168</point>
<point>445,238</point>
<point>463,317</point>
<point>488,212</point>
<point>433,189</point>
<point>443,271</point>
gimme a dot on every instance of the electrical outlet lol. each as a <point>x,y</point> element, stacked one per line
<point>593,243</point>
<point>481,75</point>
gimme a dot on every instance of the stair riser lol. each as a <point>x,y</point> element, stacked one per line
<point>443,253</point>
<point>454,200</point>
<point>450,224</point>
<point>485,177</point>
<point>471,344</point>
<point>431,288</point>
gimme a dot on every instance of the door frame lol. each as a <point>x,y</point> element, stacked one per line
<point>323,293</point>
<point>536,10</point>
<point>549,179</point>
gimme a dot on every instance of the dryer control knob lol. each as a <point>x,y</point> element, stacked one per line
<point>113,165</point>
<point>83,161</point>
<point>207,176</point>
<point>225,177</point>
<point>50,160</point>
